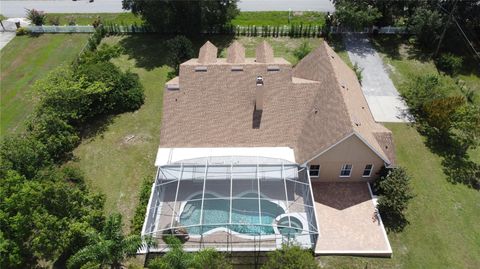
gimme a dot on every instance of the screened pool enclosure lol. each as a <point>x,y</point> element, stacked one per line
<point>232,204</point>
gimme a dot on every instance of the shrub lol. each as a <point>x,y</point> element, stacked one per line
<point>72,21</point>
<point>55,20</point>
<point>140,211</point>
<point>449,63</point>
<point>290,256</point>
<point>24,154</point>
<point>421,90</point>
<point>302,50</point>
<point>395,193</point>
<point>23,31</point>
<point>97,22</point>
<point>358,72</point>
<point>36,17</point>
<point>56,134</point>
<point>180,49</point>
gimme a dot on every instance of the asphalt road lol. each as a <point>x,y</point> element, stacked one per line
<point>16,8</point>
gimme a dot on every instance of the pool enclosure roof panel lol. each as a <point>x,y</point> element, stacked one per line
<point>167,156</point>
<point>211,196</point>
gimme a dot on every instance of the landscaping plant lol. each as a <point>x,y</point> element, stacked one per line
<point>291,256</point>
<point>36,17</point>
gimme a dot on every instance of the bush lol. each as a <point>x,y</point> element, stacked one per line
<point>426,25</point>
<point>141,209</point>
<point>23,31</point>
<point>302,50</point>
<point>36,17</point>
<point>72,21</point>
<point>395,193</point>
<point>358,72</point>
<point>55,20</point>
<point>290,256</point>
<point>449,63</point>
<point>421,90</point>
<point>56,134</point>
<point>179,50</point>
<point>23,154</point>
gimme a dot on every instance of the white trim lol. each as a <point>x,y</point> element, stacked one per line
<point>371,170</point>
<point>379,219</point>
<point>327,149</point>
<point>372,148</point>
<point>341,169</point>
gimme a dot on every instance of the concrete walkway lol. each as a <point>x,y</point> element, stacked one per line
<point>5,37</point>
<point>382,96</point>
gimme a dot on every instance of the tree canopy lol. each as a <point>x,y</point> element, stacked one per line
<point>184,16</point>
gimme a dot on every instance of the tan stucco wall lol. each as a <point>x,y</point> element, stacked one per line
<point>350,151</point>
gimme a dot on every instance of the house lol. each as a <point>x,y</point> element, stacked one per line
<point>255,152</point>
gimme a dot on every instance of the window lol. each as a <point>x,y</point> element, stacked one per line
<point>314,170</point>
<point>346,170</point>
<point>368,170</point>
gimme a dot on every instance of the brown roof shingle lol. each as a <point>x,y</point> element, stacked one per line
<point>305,108</point>
<point>208,53</point>
<point>264,53</point>
<point>236,53</point>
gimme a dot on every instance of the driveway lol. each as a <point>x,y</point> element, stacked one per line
<point>382,96</point>
<point>5,37</point>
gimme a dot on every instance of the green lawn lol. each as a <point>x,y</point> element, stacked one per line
<point>278,18</point>
<point>24,60</point>
<point>88,18</point>
<point>272,18</point>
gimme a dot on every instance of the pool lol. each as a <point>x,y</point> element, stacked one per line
<point>291,230</point>
<point>244,214</point>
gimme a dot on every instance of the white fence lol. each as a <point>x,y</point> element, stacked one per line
<point>61,29</point>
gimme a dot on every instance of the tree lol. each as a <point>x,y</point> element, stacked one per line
<point>36,17</point>
<point>426,24</point>
<point>177,258</point>
<point>290,256</point>
<point>356,14</point>
<point>109,247</point>
<point>23,154</point>
<point>303,50</point>
<point>441,112</point>
<point>395,193</point>
<point>179,50</point>
<point>45,217</point>
<point>184,16</point>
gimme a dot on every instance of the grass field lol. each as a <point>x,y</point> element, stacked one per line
<point>278,18</point>
<point>272,18</point>
<point>88,18</point>
<point>24,60</point>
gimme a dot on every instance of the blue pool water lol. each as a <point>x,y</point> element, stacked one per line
<point>244,214</point>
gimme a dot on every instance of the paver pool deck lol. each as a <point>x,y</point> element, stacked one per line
<point>347,220</point>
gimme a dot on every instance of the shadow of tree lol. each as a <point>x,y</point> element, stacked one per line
<point>456,162</point>
<point>96,127</point>
<point>150,51</point>
<point>389,44</point>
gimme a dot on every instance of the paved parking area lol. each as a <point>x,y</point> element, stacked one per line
<point>382,96</point>
<point>347,220</point>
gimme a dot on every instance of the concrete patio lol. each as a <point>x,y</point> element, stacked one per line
<point>347,221</point>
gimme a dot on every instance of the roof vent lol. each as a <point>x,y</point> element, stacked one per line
<point>259,93</point>
<point>201,69</point>
<point>237,68</point>
<point>273,68</point>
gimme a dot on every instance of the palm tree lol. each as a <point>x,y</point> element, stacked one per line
<point>108,248</point>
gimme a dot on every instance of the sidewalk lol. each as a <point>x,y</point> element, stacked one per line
<point>382,96</point>
<point>5,37</point>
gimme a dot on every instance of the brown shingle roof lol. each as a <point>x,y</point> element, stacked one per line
<point>264,52</point>
<point>236,53</point>
<point>208,53</point>
<point>305,108</point>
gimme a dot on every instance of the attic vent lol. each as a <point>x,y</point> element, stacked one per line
<point>237,68</point>
<point>259,81</point>
<point>173,87</point>
<point>201,69</point>
<point>273,68</point>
